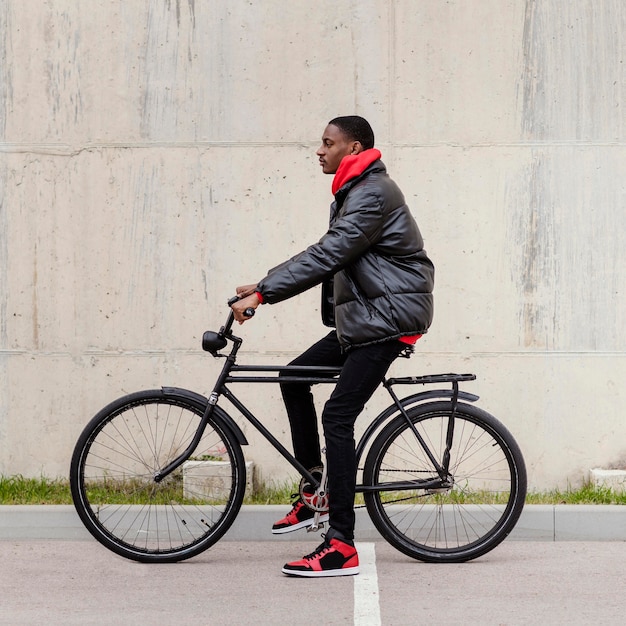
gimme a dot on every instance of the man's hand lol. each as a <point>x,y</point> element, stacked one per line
<point>248,302</point>
<point>245,290</point>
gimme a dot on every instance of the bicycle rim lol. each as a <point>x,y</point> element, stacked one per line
<point>113,486</point>
<point>453,524</point>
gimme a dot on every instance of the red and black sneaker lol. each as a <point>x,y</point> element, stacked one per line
<point>300,516</point>
<point>335,557</point>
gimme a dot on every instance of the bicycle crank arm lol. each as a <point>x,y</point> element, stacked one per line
<point>316,525</point>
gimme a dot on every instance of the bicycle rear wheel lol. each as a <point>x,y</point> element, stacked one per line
<point>457,523</point>
<point>113,487</point>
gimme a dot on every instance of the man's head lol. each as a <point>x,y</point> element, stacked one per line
<point>345,135</point>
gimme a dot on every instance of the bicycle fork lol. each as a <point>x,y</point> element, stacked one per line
<point>178,461</point>
<point>213,398</point>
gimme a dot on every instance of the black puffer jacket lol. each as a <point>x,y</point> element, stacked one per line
<point>376,276</point>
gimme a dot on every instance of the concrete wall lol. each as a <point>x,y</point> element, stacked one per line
<point>155,154</point>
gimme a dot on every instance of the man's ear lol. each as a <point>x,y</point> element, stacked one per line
<point>357,147</point>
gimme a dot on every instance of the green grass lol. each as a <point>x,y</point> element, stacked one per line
<point>587,494</point>
<point>21,490</point>
<point>273,493</point>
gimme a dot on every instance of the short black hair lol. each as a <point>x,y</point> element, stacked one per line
<point>355,128</point>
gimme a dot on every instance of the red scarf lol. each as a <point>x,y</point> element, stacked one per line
<point>353,165</point>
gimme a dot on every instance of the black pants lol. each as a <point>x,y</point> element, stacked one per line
<point>362,371</point>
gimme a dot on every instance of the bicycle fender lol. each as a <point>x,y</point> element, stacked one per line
<point>406,402</point>
<point>437,393</point>
<point>219,415</point>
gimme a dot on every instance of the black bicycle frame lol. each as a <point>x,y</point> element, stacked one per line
<point>321,375</point>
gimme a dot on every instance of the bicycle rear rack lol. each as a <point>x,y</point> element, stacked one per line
<point>431,379</point>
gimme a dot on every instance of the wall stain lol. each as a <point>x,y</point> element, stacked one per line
<point>535,267</point>
<point>573,85</point>
<point>35,312</point>
<point>5,104</point>
<point>563,200</point>
<point>170,49</point>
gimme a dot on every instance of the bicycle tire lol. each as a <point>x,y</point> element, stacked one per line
<point>457,524</point>
<point>112,478</point>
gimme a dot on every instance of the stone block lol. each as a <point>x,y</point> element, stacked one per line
<point>614,479</point>
<point>207,479</point>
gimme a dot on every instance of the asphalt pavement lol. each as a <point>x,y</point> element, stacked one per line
<point>59,575</point>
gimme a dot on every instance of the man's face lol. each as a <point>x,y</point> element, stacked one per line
<point>335,146</point>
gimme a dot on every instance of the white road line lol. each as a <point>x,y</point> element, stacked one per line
<point>366,602</point>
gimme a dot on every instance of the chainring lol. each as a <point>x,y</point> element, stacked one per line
<point>316,501</point>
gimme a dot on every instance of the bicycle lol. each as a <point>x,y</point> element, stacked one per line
<point>159,475</point>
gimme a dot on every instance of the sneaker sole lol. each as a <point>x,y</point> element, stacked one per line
<point>304,524</point>
<point>347,571</point>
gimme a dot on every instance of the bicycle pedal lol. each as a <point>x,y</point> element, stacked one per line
<point>313,528</point>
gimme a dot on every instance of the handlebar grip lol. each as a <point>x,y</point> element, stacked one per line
<point>249,312</point>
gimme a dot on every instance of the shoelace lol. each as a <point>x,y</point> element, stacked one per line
<point>296,502</point>
<point>321,549</point>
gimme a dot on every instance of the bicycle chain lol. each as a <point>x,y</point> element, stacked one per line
<point>405,471</point>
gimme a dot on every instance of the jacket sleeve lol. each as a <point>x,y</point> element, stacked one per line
<point>356,228</point>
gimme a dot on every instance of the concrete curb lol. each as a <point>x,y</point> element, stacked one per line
<point>537,523</point>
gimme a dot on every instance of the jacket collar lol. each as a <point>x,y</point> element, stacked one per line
<point>340,196</point>
<point>353,165</point>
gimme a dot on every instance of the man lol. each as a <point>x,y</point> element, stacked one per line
<point>377,286</point>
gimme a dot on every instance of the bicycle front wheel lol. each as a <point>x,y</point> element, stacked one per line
<point>114,490</point>
<point>454,523</point>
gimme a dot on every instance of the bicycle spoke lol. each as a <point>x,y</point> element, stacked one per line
<point>454,521</point>
<point>114,486</point>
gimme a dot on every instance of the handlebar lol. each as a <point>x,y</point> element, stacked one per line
<point>249,312</point>
<point>213,342</point>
